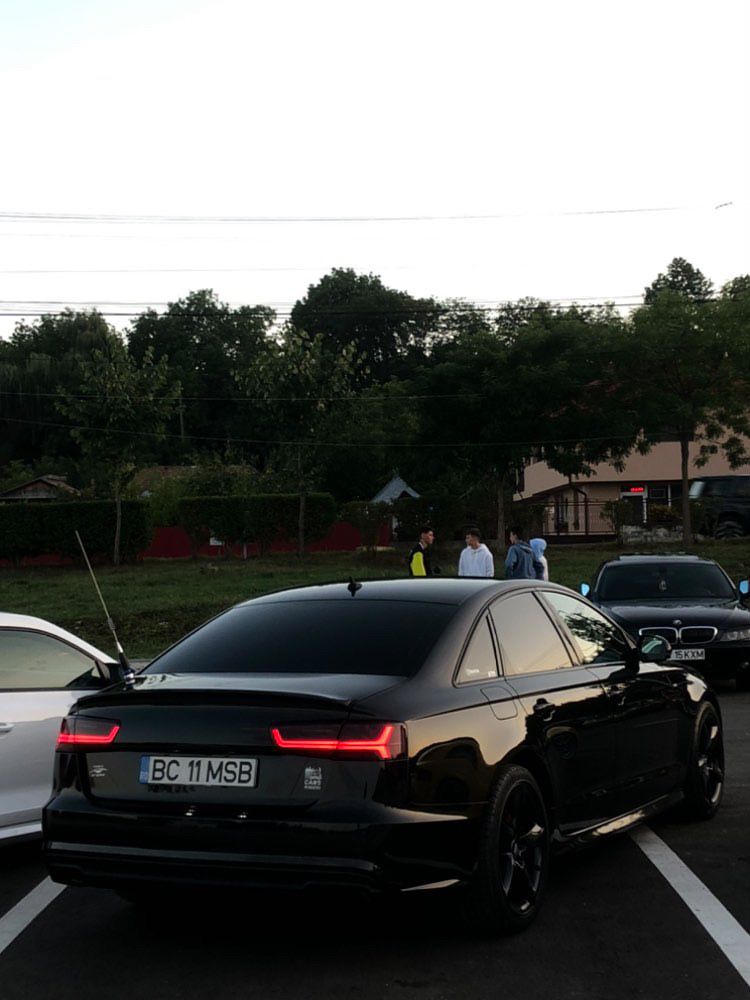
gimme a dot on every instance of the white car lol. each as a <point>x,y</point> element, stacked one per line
<point>43,671</point>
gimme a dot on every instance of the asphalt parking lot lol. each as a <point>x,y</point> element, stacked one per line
<point>612,926</point>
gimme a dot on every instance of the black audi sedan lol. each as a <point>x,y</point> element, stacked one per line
<point>687,600</point>
<point>393,735</point>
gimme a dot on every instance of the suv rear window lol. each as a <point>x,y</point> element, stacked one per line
<point>328,637</point>
<point>668,581</point>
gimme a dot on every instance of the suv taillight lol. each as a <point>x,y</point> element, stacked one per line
<point>382,740</point>
<point>83,731</point>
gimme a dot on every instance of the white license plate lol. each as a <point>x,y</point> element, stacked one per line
<point>222,771</point>
<point>688,654</point>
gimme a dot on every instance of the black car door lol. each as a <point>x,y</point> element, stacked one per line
<point>567,716</point>
<point>646,702</point>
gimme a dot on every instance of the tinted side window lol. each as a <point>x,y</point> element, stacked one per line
<point>529,641</point>
<point>29,660</point>
<point>479,661</point>
<point>598,639</point>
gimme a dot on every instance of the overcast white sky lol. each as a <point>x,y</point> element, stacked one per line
<point>410,108</point>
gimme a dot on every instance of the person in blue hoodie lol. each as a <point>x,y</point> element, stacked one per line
<point>538,546</point>
<point>520,562</point>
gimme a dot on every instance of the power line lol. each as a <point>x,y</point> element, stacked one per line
<point>249,399</point>
<point>229,440</point>
<point>444,305</point>
<point>102,217</point>
<point>438,310</point>
<point>169,270</point>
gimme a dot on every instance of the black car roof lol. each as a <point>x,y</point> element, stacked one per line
<point>439,590</point>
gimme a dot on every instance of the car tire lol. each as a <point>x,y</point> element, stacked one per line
<point>729,529</point>
<point>704,786</point>
<point>507,887</point>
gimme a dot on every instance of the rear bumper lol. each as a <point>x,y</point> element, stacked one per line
<point>390,849</point>
<point>119,867</point>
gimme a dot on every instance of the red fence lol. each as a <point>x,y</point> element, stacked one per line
<point>174,543</point>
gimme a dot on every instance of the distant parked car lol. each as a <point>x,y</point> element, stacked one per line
<point>726,501</point>
<point>43,671</point>
<point>689,601</point>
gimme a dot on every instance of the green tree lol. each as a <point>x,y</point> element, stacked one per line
<point>35,362</point>
<point>683,278</point>
<point>737,289</point>
<point>118,410</point>
<point>376,433</point>
<point>540,389</point>
<point>206,342</point>
<point>305,394</point>
<point>686,366</point>
<point>357,311</point>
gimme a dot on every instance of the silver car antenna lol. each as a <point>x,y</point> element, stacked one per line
<point>128,675</point>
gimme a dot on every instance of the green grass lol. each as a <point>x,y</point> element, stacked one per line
<point>154,603</point>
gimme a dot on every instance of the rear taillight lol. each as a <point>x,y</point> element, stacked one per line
<point>382,740</point>
<point>83,731</point>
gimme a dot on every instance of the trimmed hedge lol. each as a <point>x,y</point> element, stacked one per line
<point>36,529</point>
<point>261,518</point>
<point>368,518</point>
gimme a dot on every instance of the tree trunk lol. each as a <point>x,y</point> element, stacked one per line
<point>687,527</point>
<point>118,527</point>
<point>302,505</point>
<point>182,420</point>
<point>500,513</point>
<point>301,523</point>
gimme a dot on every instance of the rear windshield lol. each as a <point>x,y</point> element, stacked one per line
<point>650,581</point>
<point>331,637</point>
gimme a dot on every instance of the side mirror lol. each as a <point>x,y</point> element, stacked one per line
<point>585,589</point>
<point>744,587</point>
<point>653,649</point>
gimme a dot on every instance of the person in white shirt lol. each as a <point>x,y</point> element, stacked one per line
<point>476,558</point>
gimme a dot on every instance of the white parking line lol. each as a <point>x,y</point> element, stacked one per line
<point>728,934</point>
<point>18,919</point>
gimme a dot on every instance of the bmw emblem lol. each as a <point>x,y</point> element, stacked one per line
<point>677,622</point>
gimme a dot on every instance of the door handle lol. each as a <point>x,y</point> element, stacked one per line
<point>5,728</point>
<point>543,709</point>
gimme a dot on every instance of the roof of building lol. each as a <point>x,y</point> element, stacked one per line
<point>58,483</point>
<point>394,490</point>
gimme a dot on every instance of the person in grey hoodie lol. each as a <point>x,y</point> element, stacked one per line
<point>520,562</point>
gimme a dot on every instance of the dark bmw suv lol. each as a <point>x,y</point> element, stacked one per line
<point>689,601</point>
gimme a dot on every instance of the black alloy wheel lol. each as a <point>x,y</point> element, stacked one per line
<point>705,782</point>
<point>511,874</point>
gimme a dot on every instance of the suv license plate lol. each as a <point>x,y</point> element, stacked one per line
<point>688,654</point>
<point>221,771</point>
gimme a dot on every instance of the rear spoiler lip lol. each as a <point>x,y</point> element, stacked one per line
<point>239,689</point>
<point>122,697</point>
